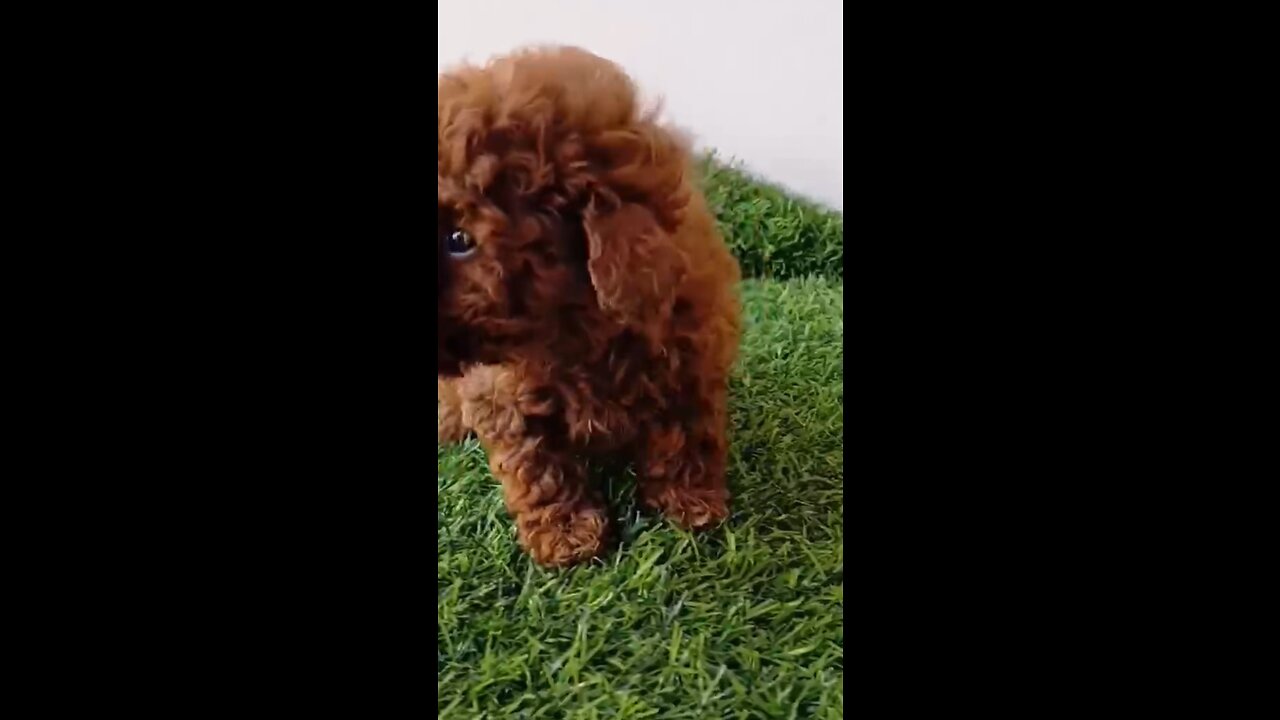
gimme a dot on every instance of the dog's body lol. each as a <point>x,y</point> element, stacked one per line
<point>586,303</point>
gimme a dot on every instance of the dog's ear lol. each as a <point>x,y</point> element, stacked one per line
<point>633,262</point>
<point>638,196</point>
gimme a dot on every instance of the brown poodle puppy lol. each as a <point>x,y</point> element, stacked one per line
<point>586,304</point>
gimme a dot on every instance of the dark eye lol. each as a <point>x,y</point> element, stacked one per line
<point>460,244</point>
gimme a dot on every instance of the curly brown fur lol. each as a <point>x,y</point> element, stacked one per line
<point>596,314</point>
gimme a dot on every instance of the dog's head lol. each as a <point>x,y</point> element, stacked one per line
<point>557,200</point>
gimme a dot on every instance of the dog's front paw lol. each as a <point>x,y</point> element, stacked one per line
<point>690,508</point>
<point>561,540</point>
<point>449,427</point>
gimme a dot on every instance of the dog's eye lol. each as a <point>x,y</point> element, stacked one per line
<point>460,244</point>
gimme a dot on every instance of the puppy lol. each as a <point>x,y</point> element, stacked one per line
<point>585,303</point>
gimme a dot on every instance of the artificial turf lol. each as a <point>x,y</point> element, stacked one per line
<point>746,621</point>
<point>773,233</point>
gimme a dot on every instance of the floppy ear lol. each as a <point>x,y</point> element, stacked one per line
<point>634,264</point>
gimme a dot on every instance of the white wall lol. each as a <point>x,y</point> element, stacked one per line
<point>758,80</point>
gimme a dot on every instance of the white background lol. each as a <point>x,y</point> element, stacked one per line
<point>761,81</point>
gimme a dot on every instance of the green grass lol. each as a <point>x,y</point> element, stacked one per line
<point>746,621</point>
<point>773,234</point>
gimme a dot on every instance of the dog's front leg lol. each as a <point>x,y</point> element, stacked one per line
<point>682,468</point>
<point>449,425</point>
<point>559,520</point>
